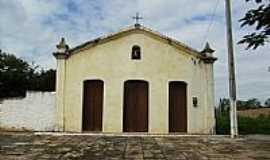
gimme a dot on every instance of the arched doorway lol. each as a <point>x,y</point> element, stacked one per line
<point>135,116</point>
<point>92,105</point>
<point>177,106</point>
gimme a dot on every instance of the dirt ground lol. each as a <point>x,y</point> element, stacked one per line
<point>28,146</point>
<point>253,113</point>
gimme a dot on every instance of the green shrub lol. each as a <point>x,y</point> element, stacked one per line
<point>223,123</point>
<point>259,125</point>
<point>246,125</point>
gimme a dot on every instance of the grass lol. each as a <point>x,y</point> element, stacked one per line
<point>246,125</point>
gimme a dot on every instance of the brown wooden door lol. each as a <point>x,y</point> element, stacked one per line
<point>177,107</point>
<point>92,105</point>
<point>135,106</point>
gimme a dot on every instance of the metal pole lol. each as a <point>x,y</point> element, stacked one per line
<point>231,67</point>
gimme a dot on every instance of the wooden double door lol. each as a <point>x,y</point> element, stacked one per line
<point>135,118</point>
<point>177,107</point>
<point>93,105</point>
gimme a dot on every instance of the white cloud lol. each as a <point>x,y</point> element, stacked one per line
<point>31,28</point>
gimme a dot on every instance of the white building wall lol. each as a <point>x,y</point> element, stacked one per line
<point>35,112</point>
<point>160,64</point>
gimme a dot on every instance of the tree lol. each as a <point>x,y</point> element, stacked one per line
<point>253,103</point>
<point>13,75</point>
<point>43,81</point>
<point>241,105</point>
<point>267,103</point>
<point>224,105</point>
<point>260,19</point>
<point>17,76</point>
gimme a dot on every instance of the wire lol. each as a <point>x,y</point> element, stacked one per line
<point>211,21</point>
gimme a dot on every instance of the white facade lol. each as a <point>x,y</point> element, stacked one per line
<point>109,59</point>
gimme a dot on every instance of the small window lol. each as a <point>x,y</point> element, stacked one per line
<point>136,52</point>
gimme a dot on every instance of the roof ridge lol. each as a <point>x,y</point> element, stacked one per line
<point>136,27</point>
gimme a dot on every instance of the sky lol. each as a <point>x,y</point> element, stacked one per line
<point>30,29</point>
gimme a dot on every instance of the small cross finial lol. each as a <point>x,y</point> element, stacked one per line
<point>137,18</point>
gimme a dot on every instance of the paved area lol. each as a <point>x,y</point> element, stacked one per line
<point>27,146</point>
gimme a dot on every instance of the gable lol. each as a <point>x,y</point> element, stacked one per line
<point>136,29</point>
<point>113,58</point>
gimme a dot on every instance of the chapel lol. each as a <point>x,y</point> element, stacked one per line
<point>135,80</point>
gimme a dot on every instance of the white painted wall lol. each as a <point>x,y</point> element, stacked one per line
<point>35,112</point>
<point>111,62</point>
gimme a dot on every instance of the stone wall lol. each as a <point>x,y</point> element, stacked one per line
<point>35,112</point>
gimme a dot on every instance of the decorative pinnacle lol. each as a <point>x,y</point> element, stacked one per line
<point>62,46</point>
<point>207,49</point>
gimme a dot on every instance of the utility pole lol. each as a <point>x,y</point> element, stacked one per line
<point>231,67</point>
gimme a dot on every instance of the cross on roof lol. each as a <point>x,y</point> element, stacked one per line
<point>137,18</point>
